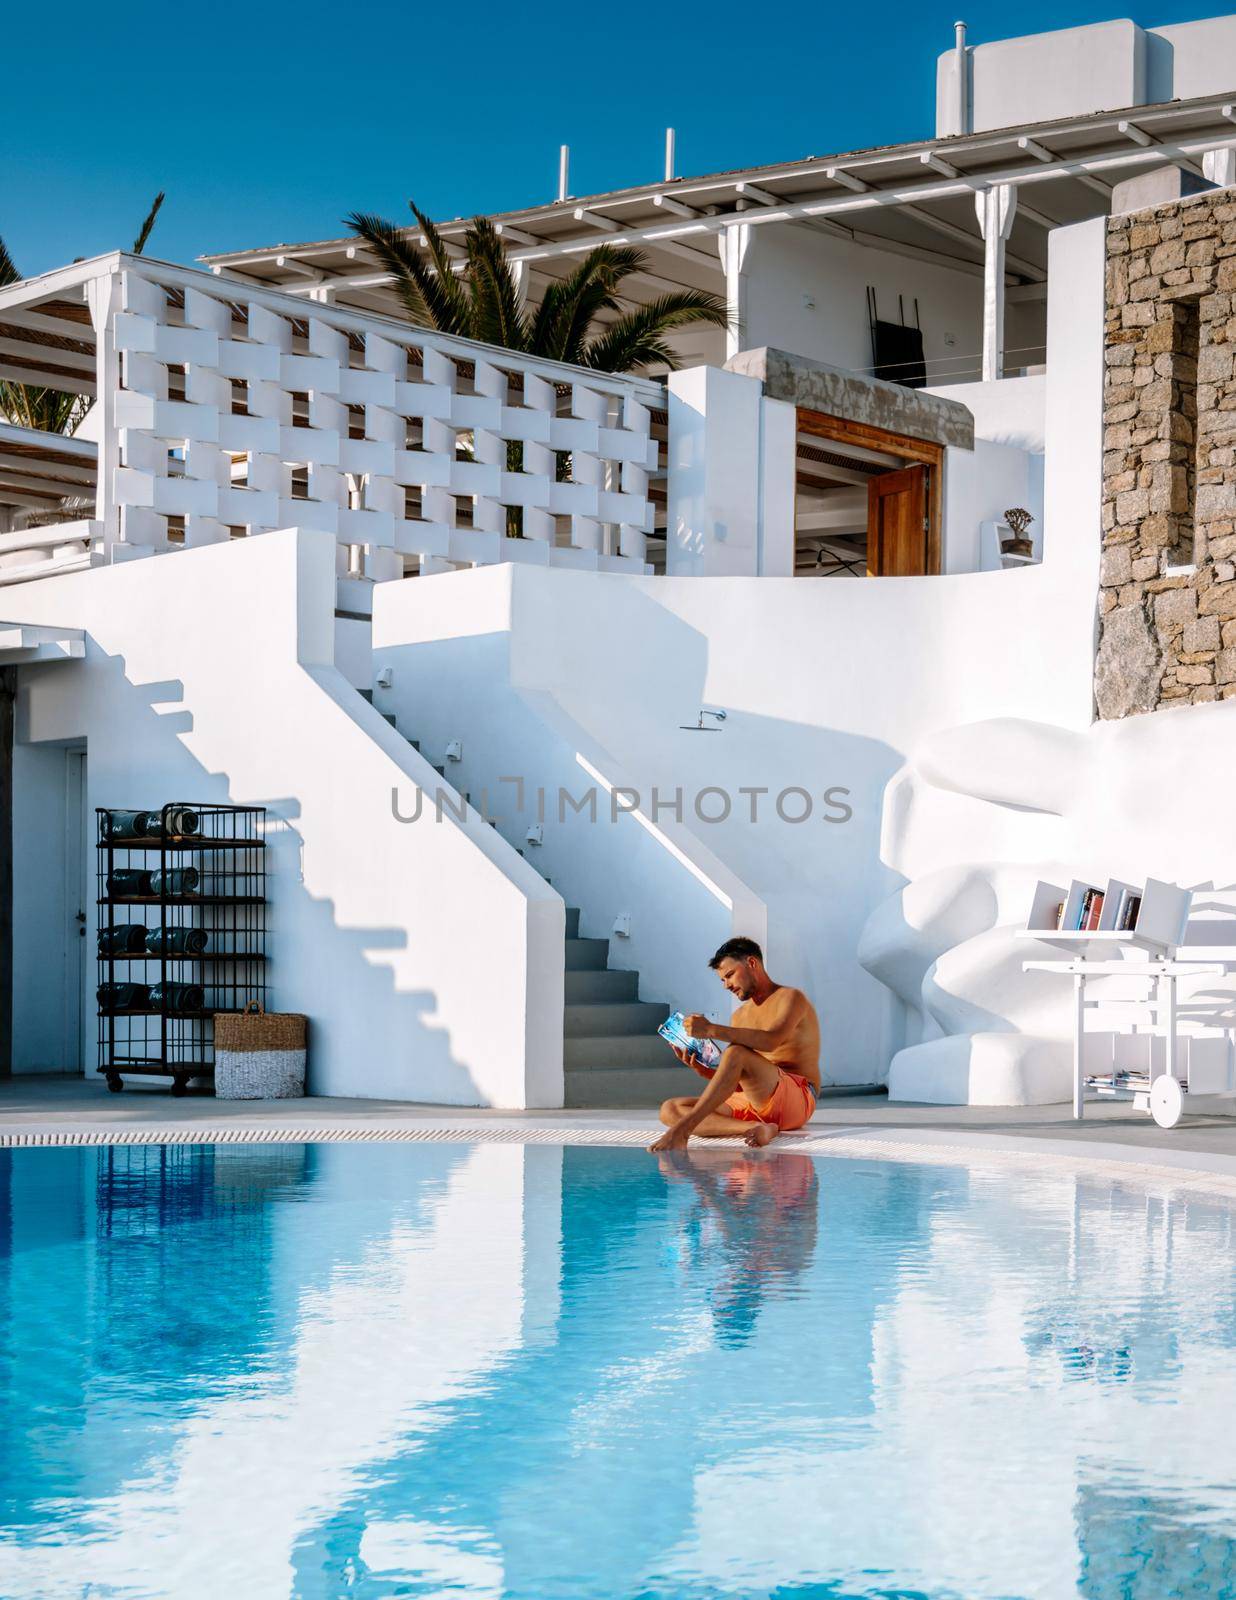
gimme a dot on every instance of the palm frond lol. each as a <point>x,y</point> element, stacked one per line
<point>139,244</point>
<point>569,307</point>
<point>497,315</point>
<point>638,338</point>
<point>415,285</point>
<point>8,267</point>
<point>451,292</point>
<point>47,410</point>
<point>24,405</point>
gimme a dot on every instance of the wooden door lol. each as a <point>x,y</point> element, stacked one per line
<point>897,524</point>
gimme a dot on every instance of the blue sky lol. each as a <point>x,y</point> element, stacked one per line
<point>269,123</point>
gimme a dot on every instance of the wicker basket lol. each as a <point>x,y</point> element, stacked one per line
<point>260,1055</point>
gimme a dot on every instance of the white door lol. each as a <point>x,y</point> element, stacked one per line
<point>75,917</point>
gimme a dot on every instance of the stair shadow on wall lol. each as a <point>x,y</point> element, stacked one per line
<point>629,676</point>
<point>139,738</point>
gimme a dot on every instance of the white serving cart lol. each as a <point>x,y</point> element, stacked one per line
<point>1158,1071</point>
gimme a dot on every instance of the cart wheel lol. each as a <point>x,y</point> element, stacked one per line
<point>1166,1100</point>
<point>115,1082</point>
<point>180,1086</point>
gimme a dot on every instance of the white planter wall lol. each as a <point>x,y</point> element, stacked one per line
<point>428,958</point>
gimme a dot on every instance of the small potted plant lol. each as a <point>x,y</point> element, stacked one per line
<point>1017,519</point>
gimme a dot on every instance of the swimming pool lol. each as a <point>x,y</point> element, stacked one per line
<point>544,1373</point>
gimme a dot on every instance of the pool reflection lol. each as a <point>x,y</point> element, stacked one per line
<point>533,1372</point>
<point>752,1224</point>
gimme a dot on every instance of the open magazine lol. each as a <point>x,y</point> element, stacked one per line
<point>704,1052</point>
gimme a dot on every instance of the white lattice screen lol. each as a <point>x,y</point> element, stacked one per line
<point>238,411</point>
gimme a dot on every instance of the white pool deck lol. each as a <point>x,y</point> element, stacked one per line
<point>50,1110</point>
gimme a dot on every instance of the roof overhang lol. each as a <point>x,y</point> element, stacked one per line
<point>915,198</point>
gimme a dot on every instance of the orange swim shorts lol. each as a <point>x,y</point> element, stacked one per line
<point>791,1105</point>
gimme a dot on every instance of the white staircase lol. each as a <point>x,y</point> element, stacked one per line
<point>612,1054</point>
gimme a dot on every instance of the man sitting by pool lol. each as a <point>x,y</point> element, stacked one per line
<point>770,1072</point>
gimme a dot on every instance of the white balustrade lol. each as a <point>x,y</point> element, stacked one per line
<point>237,410</point>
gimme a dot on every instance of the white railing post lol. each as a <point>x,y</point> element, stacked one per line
<point>100,297</point>
<point>996,207</point>
<point>733,242</point>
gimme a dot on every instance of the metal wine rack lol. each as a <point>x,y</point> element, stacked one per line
<point>182,927</point>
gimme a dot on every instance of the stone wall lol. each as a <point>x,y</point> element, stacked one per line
<point>1167,636</point>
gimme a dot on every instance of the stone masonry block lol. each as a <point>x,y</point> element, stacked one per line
<point>1173,608</point>
<point>1117,566</point>
<point>1204,634</point>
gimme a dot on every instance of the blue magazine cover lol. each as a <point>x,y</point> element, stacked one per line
<point>707,1052</point>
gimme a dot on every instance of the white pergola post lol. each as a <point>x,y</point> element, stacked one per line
<point>1220,166</point>
<point>101,296</point>
<point>996,207</point>
<point>733,242</point>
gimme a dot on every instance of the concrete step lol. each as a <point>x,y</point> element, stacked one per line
<point>609,1052</point>
<point>366,694</point>
<point>572,920</point>
<point>388,716</point>
<point>585,987</point>
<point>614,1087</point>
<point>624,1017</point>
<point>586,955</point>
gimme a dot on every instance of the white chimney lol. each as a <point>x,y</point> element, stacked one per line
<point>962,72</point>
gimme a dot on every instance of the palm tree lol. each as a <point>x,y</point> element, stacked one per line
<point>51,410</point>
<point>482,301</point>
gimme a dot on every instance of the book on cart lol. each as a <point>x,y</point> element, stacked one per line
<point>1084,917</point>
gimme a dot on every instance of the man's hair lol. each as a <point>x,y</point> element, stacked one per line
<point>736,950</point>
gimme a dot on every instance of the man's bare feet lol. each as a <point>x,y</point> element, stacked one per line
<point>763,1133</point>
<point>671,1139</point>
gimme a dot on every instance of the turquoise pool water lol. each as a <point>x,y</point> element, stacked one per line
<point>536,1373</point>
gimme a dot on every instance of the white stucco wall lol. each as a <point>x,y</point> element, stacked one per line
<point>732,471</point>
<point>787,266</point>
<point>461,659</point>
<point>1186,59</point>
<point>825,685</point>
<point>983,813</point>
<point>1068,72</point>
<point>730,477</point>
<point>42,952</point>
<point>1006,411</point>
<point>1006,467</point>
<point>979,486</point>
<point>1071,72</point>
<point>428,956</point>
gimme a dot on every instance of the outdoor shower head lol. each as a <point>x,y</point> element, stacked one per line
<point>699,727</point>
